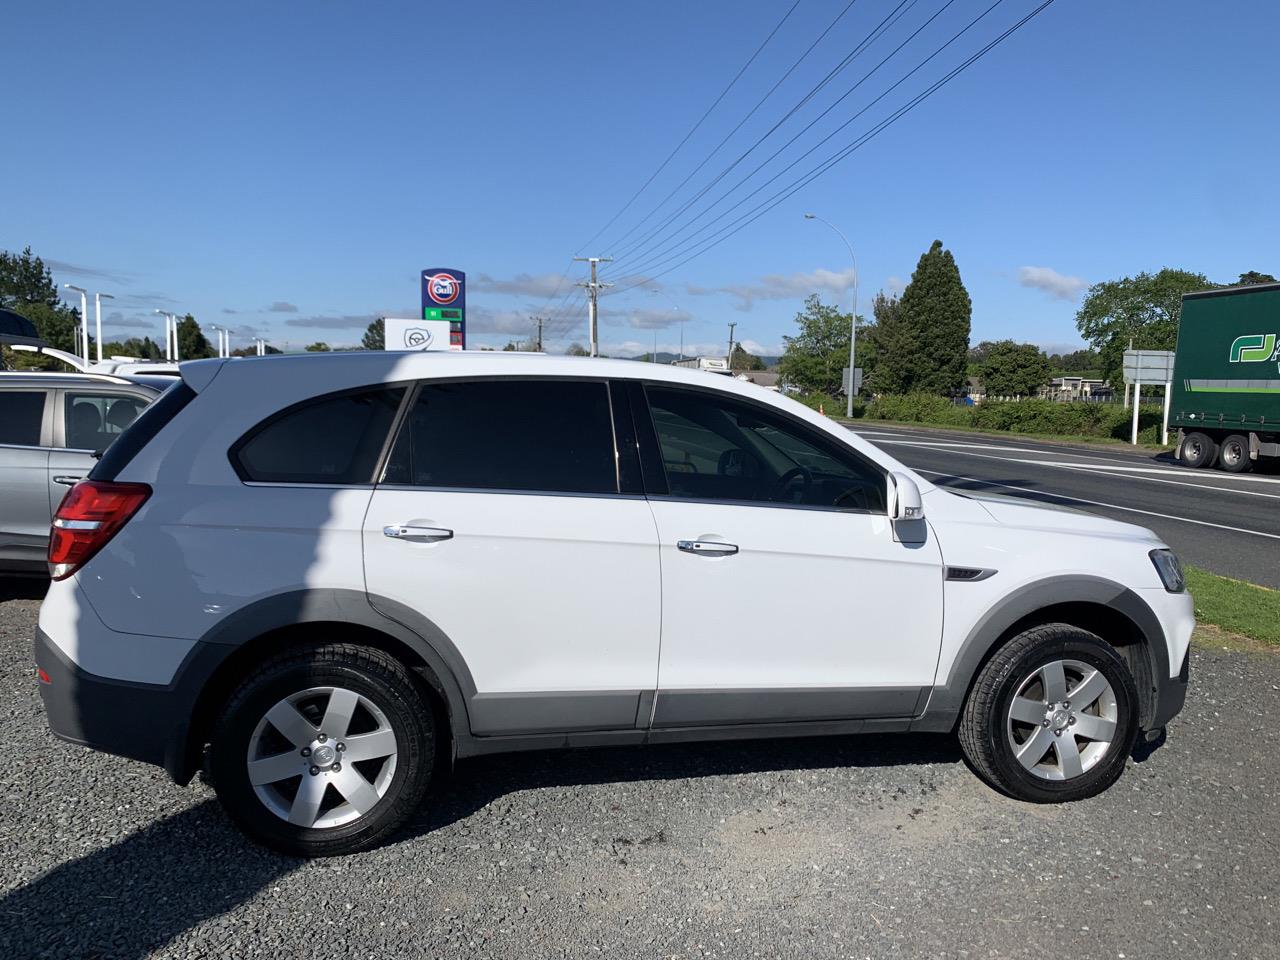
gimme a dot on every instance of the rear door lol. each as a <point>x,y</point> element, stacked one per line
<point>88,420</point>
<point>500,522</point>
<point>25,429</point>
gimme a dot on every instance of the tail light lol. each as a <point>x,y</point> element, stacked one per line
<point>91,513</point>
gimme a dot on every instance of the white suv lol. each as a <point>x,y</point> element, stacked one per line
<point>322,577</point>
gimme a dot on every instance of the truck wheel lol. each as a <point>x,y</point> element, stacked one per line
<point>1052,717</point>
<point>1234,457</point>
<point>324,750</point>
<point>1198,450</point>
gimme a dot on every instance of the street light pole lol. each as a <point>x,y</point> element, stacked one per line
<point>84,319</point>
<point>853,331</point>
<point>97,309</point>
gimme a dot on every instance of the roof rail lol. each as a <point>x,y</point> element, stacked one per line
<point>109,378</point>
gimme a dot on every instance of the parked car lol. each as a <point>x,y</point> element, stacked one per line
<point>322,577</point>
<point>51,425</point>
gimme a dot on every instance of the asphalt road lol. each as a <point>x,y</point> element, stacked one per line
<point>1227,523</point>
<point>822,848</point>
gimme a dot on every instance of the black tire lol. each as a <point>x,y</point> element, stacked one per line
<point>1198,450</point>
<point>1234,455</point>
<point>986,728</point>
<point>378,680</point>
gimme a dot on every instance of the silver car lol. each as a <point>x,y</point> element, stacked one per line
<point>51,427</point>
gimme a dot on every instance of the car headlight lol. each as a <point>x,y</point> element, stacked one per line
<point>1170,570</point>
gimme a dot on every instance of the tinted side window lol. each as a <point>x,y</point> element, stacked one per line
<point>538,435</point>
<point>334,439</point>
<point>94,420</point>
<point>21,413</point>
<point>718,448</point>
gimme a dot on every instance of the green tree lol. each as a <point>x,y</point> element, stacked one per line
<point>1143,309</point>
<point>1013,369</point>
<point>742,360</point>
<point>24,279</point>
<point>375,336</point>
<point>894,348</point>
<point>936,310</point>
<point>27,288</point>
<point>319,347</point>
<point>192,344</point>
<point>1252,277</point>
<point>815,358</point>
<point>1077,363</point>
<point>577,350</point>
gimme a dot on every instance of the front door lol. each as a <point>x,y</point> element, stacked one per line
<point>785,595</point>
<point>499,522</point>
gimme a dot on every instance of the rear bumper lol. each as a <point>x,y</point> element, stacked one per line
<point>141,721</point>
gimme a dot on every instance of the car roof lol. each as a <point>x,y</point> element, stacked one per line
<point>36,378</point>
<point>391,365</point>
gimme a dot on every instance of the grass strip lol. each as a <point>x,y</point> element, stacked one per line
<point>1236,606</point>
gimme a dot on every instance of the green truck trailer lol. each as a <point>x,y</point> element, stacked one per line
<point>1226,378</point>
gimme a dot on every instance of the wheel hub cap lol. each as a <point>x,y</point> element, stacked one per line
<point>323,755</point>
<point>1060,718</point>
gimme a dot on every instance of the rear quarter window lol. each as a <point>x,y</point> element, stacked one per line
<point>335,439</point>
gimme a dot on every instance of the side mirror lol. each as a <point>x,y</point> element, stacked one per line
<point>904,498</point>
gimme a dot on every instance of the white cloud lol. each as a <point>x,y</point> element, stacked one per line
<point>346,322</point>
<point>521,285</point>
<point>894,286</point>
<point>776,286</point>
<point>486,320</point>
<point>1057,285</point>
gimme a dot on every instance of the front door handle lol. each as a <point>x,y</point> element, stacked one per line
<point>416,534</point>
<point>711,548</point>
<point>67,481</point>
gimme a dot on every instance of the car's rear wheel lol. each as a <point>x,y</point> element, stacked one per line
<point>1052,717</point>
<point>1234,456</point>
<point>1198,450</point>
<point>324,751</point>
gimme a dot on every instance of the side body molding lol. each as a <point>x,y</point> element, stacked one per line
<point>948,696</point>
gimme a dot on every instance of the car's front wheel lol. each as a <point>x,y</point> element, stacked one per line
<point>1052,717</point>
<point>323,751</point>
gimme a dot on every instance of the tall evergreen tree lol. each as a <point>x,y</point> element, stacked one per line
<point>192,343</point>
<point>24,279</point>
<point>895,350</point>
<point>937,309</point>
<point>375,335</point>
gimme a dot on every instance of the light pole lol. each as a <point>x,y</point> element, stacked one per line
<point>84,319</point>
<point>853,331</point>
<point>97,310</point>
<point>679,314</point>
<point>170,334</point>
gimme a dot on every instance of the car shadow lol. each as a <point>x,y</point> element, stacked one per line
<point>129,899</point>
<point>14,587</point>
<point>476,782</point>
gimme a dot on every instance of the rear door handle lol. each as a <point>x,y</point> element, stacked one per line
<point>416,534</point>
<point>711,548</point>
<point>67,481</point>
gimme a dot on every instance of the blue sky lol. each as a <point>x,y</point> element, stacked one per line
<point>287,169</point>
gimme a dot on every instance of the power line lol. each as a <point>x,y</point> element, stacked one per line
<point>888,22</point>
<point>656,257</point>
<point>657,246</point>
<point>729,135</point>
<point>723,93</point>
<point>760,210</point>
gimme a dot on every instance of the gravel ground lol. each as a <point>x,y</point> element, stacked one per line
<point>849,847</point>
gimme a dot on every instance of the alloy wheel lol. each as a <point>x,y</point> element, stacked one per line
<point>322,757</point>
<point>1062,720</point>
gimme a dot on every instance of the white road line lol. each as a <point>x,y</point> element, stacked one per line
<point>1099,503</point>
<point>912,440</point>
<point>1137,472</point>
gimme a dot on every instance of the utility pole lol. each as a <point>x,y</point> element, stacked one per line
<point>539,321</point>
<point>593,300</point>
<point>731,326</point>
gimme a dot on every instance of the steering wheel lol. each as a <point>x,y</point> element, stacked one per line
<point>784,481</point>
